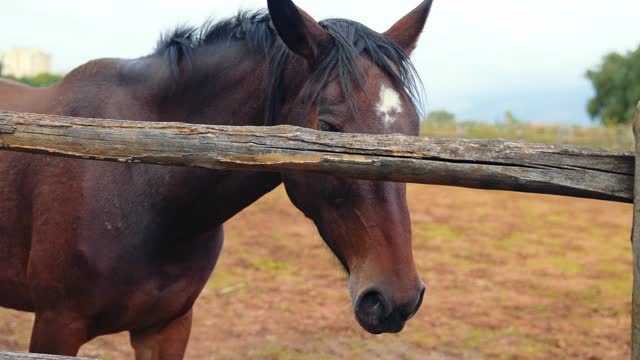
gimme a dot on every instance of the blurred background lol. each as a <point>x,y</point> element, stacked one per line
<point>510,275</point>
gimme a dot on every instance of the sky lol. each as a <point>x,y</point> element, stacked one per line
<point>477,58</point>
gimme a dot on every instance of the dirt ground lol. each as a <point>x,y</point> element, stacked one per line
<point>510,276</point>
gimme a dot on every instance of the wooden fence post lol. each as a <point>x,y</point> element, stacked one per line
<point>635,311</point>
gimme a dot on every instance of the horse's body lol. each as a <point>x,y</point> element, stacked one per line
<point>128,246</point>
<point>95,248</point>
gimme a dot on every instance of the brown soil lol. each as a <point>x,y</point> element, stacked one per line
<point>509,276</point>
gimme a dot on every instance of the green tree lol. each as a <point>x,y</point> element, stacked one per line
<point>617,85</point>
<point>441,116</point>
<point>41,80</point>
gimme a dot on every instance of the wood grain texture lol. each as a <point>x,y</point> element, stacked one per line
<point>482,164</point>
<point>635,311</point>
<point>21,356</point>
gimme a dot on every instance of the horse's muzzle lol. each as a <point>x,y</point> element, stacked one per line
<point>377,314</point>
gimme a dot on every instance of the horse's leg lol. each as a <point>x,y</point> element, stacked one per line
<point>167,343</point>
<point>58,333</point>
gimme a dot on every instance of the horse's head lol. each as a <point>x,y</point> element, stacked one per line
<point>351,79</point>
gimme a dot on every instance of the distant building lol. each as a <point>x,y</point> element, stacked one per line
<point>24,62</point>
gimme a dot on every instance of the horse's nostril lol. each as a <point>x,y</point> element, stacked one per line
<point>418,303</point>
<point>372,308</point>
<point>377,314</point>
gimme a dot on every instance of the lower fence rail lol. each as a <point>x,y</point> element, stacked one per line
<point>25,356</point>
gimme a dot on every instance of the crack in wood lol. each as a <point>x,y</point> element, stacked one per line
<point>7,127</point>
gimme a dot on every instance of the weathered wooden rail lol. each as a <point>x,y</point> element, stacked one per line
<point>495,164</point>
<point>21,356</point>
<point>484,164</point>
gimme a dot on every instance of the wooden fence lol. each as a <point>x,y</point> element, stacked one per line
<point>481,164</point>
<point>21,356</point>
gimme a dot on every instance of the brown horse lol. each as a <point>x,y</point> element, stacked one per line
<point>96,248</point>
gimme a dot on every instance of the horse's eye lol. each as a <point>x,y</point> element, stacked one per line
<point>325,126</point>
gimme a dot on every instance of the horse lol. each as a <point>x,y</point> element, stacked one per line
<point>95,248</point>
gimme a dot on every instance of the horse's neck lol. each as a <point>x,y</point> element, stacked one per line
<point>219,86</point>
<point>223,87</point>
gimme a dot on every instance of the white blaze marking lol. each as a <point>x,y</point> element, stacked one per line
<point>389,105</point>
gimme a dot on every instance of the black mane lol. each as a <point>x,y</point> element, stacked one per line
<point>352,39</point>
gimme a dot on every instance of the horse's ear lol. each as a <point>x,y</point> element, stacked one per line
<point>299,31</point>
<point>407,31</point>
